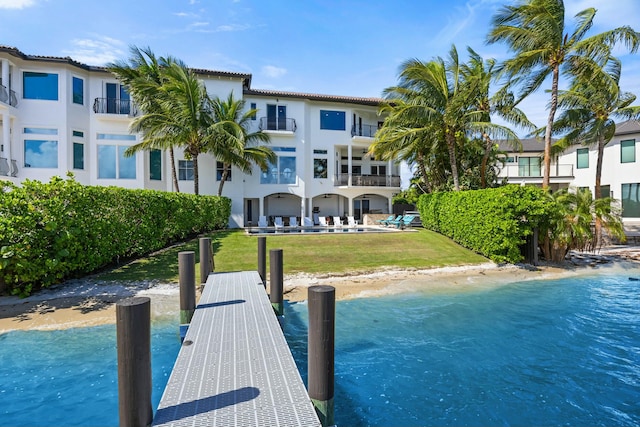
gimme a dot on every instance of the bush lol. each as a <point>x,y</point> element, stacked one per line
<point>61,229</point>
<point>493,222</point>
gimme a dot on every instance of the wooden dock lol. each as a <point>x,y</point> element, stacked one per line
<point>235,367</point>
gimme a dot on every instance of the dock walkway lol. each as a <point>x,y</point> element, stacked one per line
<point>235,367</point>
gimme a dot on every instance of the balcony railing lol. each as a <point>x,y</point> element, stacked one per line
<point>358,180</point>
<point>114,106</point>
<point>8,96</point>
<point>268,123</point>
<point>368,131</point>
<point>528,171</point>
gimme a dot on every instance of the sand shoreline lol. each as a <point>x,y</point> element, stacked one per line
<point>80,303</point>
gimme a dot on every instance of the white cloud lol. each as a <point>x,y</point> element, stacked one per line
<point>273,71</point>
<point>233,27</point>
<point>98,51</point>
<point>16,4</point>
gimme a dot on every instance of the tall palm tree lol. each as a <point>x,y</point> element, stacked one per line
<point>478,75</point>
<point>143,77</point>
<point>536,32</point>
<point>591,105</point>
<point>232,143</point>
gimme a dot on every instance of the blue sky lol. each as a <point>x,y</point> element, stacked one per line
<point>350,47</point>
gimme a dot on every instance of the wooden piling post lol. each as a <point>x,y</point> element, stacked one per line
<point>262,259</point>
<point>206,259</point>
<point>187,278</point>
<point>276,278</point>
<point>322,313</point>
<point>133,336</point>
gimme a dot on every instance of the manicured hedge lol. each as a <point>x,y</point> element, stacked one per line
<point>61,229</point>
<point>493,222</point>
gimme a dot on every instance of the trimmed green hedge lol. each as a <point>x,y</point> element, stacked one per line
<point>493,222</point>
<point>61,229</point>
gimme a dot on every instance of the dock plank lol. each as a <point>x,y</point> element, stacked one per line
<point>238,369</point>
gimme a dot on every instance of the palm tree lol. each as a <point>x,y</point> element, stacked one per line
<point>231,141</point>
<point>143,77</point>
<point>535,30</point>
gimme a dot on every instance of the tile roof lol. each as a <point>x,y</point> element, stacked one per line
<point>630,126</point>
<point>529,145</point>
<point>315,97</point>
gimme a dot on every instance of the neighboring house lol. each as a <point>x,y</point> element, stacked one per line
<point>58,115</point>
<point>576,167</point>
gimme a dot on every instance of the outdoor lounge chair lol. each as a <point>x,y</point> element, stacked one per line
<point>277,221</point>
<point>403,222</point>
<point>337,222</point>
<point>384,221</point>
<point>352,222</point>
<point>323,221</point>
<point>388,222</point>
<point>307,222</point>
<point>293,221</point>
<point>262,221</point>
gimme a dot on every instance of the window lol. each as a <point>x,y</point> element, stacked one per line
<point>319,151</point>
<point>118,100</point>
<point>255,110</point>
<point>220,170</point>
<point>78,155</point>
<point>378,170</point>
<point>320,168</point>
<point>631,200</point>
<point>40,131</point>
<point>155,165</point>
<point>116,137</point>
<point>583,158</point>
<point>40,86</point>
<point>78,134</point>
<point>628,151</point>
<point>510,160</point>
<point>529,166</point>
<point>40,153</point>
<point>281,172</point>
<point>185,170</point>
<point>113,164</point>
<point>332,120</point>
<point>605,191</point>
<point>78,90</point>
<point>277,117</point>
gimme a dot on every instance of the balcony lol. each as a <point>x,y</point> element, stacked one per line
<point>278,124</point>
<point>115,106</point>
<point>8,96</point>
<point>528,171</point>
<point>365,131</point>
<point>358,180</point>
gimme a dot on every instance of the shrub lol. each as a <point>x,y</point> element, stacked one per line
<point>493,222</point>
<point>60,229</point>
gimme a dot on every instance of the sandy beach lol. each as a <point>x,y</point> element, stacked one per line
<point>89,302</point>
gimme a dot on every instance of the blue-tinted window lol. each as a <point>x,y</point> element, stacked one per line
<point>185,170</point>
<point>583,158</point>
<point>78,91</point>
<point>631,200</point>
<point>253,107</point>
<point>628,151</point>
<point>40,86</point>
<point>78,155</point>
<point>40,131</point>
<point>220,171</point>
<point>116,137</point>
<point>112,163</point>
<point>332,120</point>
<point>155,165</point>
<point>126,165</point>
<point>281,172</point>
<point>40,154</point>
<point>78,133</point>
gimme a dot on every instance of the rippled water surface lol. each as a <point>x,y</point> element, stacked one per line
<point>70,377</point>
<point>543,353</point>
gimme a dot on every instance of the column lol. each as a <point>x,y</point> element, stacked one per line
<point>6,136</point>
<point>349,163</point>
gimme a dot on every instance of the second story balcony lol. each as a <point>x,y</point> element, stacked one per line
<point>8,96</point>
<point>536,171</point>
<point>278,124</point>
<point>115,106</point>
<point>365,131</point>
<point>359,180</point>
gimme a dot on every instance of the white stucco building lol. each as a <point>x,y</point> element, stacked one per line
<point>58,115</point>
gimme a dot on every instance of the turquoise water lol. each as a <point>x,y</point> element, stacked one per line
<point>542,353</point>
<point>70,377</point>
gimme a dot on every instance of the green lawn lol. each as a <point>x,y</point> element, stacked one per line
<point>340,253</point>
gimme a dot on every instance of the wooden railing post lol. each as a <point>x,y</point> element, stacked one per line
<point>206,259</point>
<point>133,335</point>
<point>276,277</point>
<point>322,313</point>
<point>187,278</point>
<point>262,259</point>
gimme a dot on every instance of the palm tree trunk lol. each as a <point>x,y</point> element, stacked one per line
<point>423,172</point>
<point>196,188</point>
<point>174,176</point>
<point>223,178</point>
<point>485,159</point>
<point>547,134</point>
<point>598,193</point>
<point>451,145</point>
